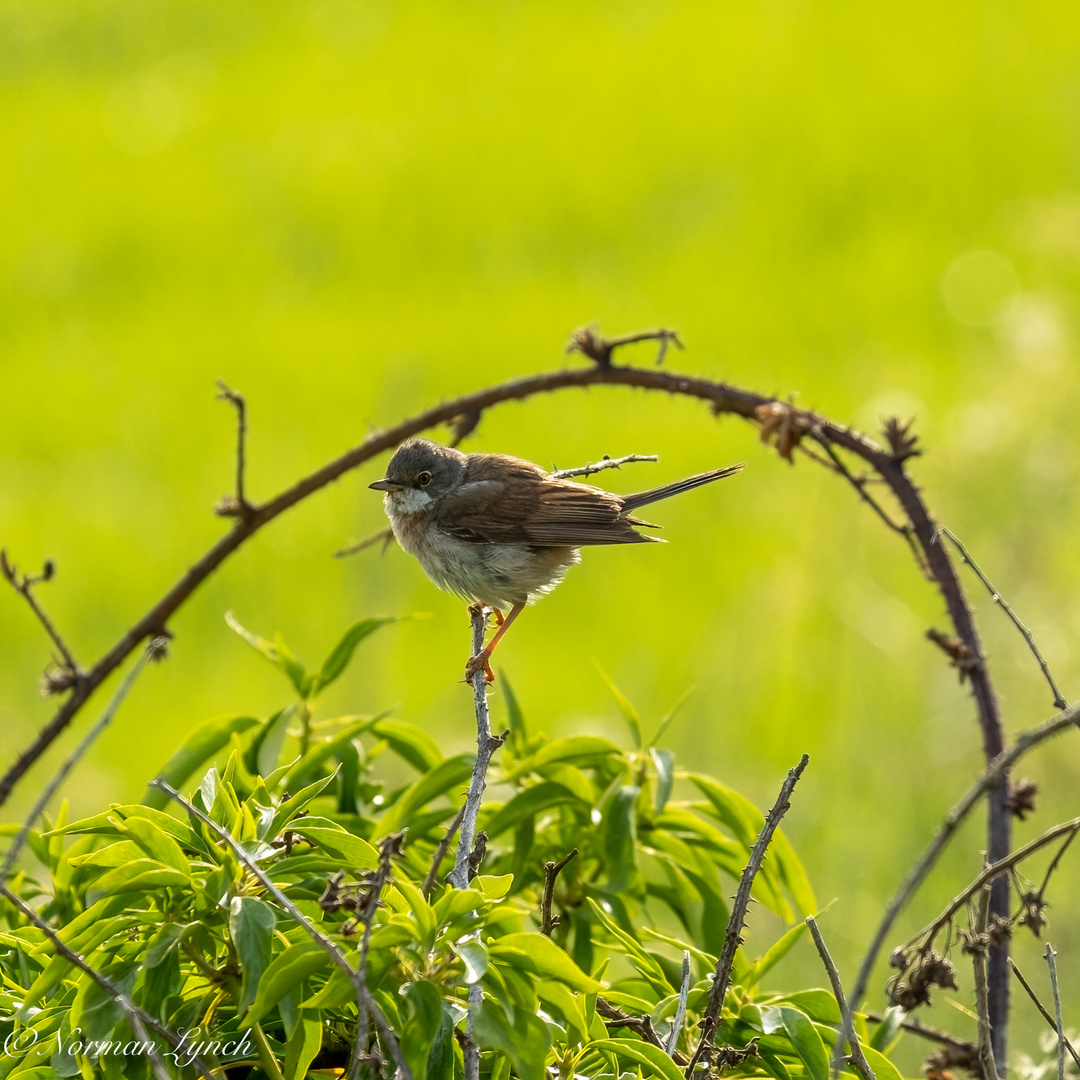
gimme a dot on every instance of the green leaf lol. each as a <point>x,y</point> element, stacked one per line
<point>440,1062</point>
<point>202,743</point>
<point>251,927</point>
<point>338,660</point>
<point>408,741</point>
<point>164,940</point>
<point>641,1053</point>
<point>619,837</point>
<point>546,959</point>
<point>277,652</point>
<point>449,774</point>
<point>664,760</point>
<point>570,749</point>
<point>285,972</point>
<point>288,809</point>
<point>157,843</point>
<point>819,1005</point>
<point>804,1037</point>
<point>883,1068</point>
<point>775,953</point>
<point>666,719</point>
<point>261,756</point>
<point>420,1029</point>
<point>633,721</point>
<point>519,734</point>
<point>525,1042</point>
<point>303,1046</point>
<point>533,800</point>
<point>331,837</point>
<point>302,770</point>
<point>645,963</point>
<point>888,1029</point>
<point>475,956</point>
<point>137,875</point>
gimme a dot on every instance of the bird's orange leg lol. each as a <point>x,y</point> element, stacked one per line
<point>480,660</point>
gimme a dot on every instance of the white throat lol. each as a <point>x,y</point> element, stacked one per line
<point>408,501</point>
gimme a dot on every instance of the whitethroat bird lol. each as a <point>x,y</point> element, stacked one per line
<point>498,530</point>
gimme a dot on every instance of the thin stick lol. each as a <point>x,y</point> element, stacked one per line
<point>614,1017</point>
<point>1050,954</point>
<point>925,1031</point>
<point>76,756</point>
<point>982,990</point>
<point>842,469</point>
<point>601,465</point>
<point>440,853</point>
<point>472,1050</point>
<point>997,598</point>
<point>1042,1009</point>
<point>238,506</point>
<point>386,536</point>
<point>72,957</point>
<point>590,343</point>
<point>354,975</point>
<point>548,922</point>
<point>997,769</point>
<point>680,1011</point>
<point>1054,865</point>
<point>989,874</point>
<point>710,1021</point>
<point>25,588</point>
<point>858,1058</point>
<point>486,745</point>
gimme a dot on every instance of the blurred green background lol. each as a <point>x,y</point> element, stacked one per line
<point>353,210</point>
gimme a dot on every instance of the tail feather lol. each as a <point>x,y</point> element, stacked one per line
<point>643,498</point>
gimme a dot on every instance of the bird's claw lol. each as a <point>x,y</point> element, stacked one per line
<point>477,663</point>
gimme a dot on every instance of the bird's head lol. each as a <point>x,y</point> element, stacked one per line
<point>419,474</point>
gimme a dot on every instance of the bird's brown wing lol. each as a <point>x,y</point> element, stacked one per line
<point>508,501</point>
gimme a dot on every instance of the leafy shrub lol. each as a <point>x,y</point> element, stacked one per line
<point>165,909</point>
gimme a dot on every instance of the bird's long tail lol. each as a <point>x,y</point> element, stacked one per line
<point>643,498</point>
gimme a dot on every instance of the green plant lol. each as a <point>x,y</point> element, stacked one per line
<point>164,908</point>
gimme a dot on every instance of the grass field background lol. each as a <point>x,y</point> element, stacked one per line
<point>351,211</point>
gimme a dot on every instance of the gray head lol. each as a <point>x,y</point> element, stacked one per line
<point>420,472</point>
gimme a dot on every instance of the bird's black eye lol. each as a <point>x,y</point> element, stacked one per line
<point>424,479</point>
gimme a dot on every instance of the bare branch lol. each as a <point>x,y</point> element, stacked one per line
<point>129,1007</point>
<point>486,745</point>
<point>356,978</point>
<point>599,466</point>
<point>680,1010</point>
<point>1050,954</point>
<point>440,853</point>
<point>1054,865</point>
<point>982,989</point>
<point>383,536</point>
<point>1042,1009</point>
<point>860,487</point>
<point>614,1017</point>
<point>589,342</point>
<point>1059,699</point>
<point>733,934</point>
<point>548,922</point>
<point>236,505</point>
<point>989,780</point>
<point>24,586</point>
<point>76,756</point>
<point>858,1058</point>
<point>925,1031</point>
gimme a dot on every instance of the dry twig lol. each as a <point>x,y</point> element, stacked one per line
<point>982,990</point>
<point>548,922</point>
<point>1050,955</point>
<point>599,466</point>
<point>236,505</point>
<point>1042,1009</point>
<point>680,1010</point>
<point>710,1021</point>
<point>440,853</point>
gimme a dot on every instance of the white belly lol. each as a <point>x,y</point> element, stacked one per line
<point>499,575</point>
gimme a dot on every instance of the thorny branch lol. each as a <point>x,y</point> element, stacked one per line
<point>548,922</point>
<point>599,466</point>
<point>440,853</point>
<point>710,1021</point>
<point>236,505</point>
<point>982,989</point>
<point>1042,1009</point>
<point>76,756</point>
<point>587,341</point>
<point>858,1058</point>
<point>355,976</point>
<point>486,745</point>
<point>1059,698</point>
<point>1050,955</point>
<point>464,413</point>
<point>70,672</point>
<point>989,780</point>
<point>131,1010</point>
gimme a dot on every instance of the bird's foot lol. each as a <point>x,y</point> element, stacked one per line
<point>479,662</point>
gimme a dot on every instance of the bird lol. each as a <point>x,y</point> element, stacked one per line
<point>499,531</point>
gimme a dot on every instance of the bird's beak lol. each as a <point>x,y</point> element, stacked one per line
<point>386,485</point>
